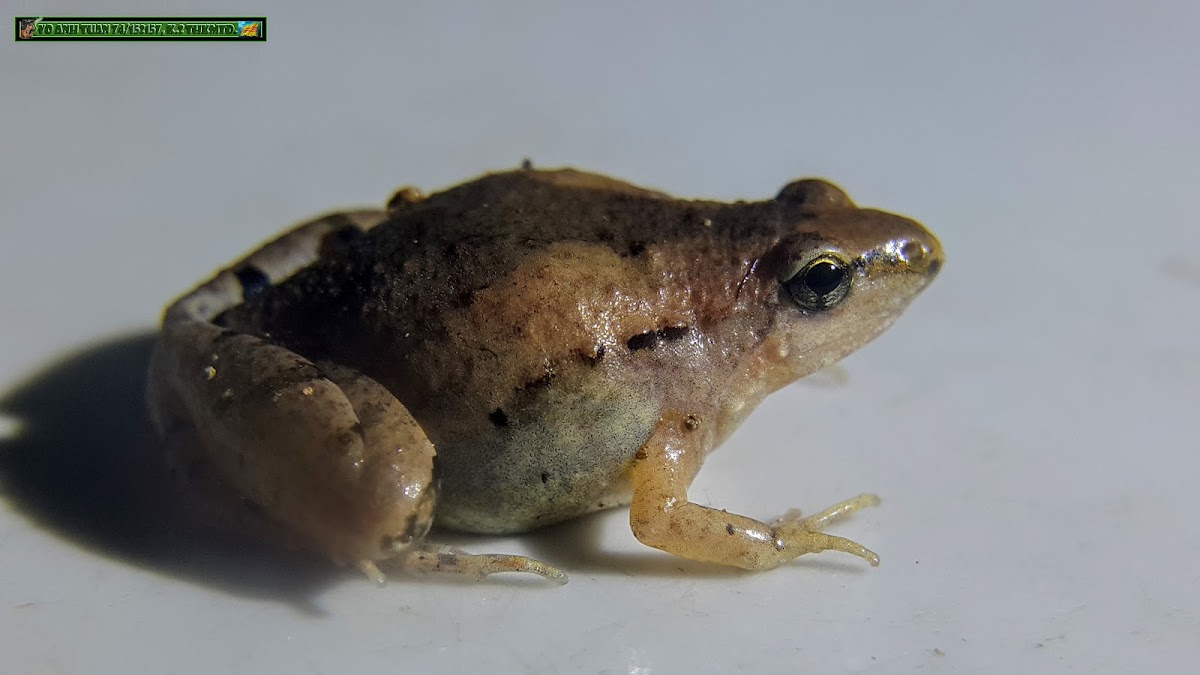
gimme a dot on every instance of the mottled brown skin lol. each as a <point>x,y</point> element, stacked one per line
<point>565,341</point>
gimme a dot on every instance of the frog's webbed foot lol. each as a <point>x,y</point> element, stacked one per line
<point>662,517</point>
<point>428,558</point>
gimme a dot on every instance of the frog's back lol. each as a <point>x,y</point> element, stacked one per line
<point>512,316</point>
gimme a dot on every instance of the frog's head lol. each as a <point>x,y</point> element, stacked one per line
<point>840,274</point>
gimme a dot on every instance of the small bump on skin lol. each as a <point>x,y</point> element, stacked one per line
<point>404,197</point>
<point>545,478</point>
<point>691,423</point>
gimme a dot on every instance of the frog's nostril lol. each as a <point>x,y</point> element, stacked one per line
<point>935,266</point>
<point>913,252</point>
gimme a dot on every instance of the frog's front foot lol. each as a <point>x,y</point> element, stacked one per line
<point>430,558</point>
<point>662,517</point>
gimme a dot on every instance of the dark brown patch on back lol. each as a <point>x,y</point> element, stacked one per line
<point>673,333</point>
<point>498,417</point>
<point>650,339</point>
<point>344,233</point>
<point>645,340</point>
<point>253,281</point>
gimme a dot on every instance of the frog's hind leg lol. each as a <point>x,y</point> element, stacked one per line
<point>426,558</point>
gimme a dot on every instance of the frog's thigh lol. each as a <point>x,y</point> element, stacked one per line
<point>269,426</point>
<point>284,433</point>
<point>662,517</point>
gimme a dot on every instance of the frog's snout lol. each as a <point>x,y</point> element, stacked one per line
<point>923,256</point>
<point>919,252</point>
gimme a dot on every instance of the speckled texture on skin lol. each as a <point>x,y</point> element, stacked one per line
<point>543,328</point>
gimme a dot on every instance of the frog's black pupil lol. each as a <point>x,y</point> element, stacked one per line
<point>824,277</point>
<point>821,284</point>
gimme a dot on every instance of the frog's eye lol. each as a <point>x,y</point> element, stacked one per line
<point>820,284</point>
<point>814,193</point>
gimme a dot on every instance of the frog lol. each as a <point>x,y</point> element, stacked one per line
<point>517,351</point>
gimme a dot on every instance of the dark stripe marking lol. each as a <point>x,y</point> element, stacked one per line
<point>253,280</point>
<point>498,417</point>
<point>650,339</point>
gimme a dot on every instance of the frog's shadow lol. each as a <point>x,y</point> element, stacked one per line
<point>83,465</point>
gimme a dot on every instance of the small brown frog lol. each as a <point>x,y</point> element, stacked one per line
<point>517,351</point>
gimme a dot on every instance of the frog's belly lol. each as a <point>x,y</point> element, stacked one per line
<point>563,455</point>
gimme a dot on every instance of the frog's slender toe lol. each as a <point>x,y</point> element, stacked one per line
<point>836,513</point>
<point>807,533</point>
<point>548,572</point>
<point>428,558</point>
<point>372,571</point>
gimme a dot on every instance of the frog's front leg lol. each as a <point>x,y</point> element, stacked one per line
<point>662,517</point>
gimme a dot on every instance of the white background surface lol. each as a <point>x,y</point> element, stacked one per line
<point>1031,422</point>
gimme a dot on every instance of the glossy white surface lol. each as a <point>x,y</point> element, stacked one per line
<point>1031,422</point>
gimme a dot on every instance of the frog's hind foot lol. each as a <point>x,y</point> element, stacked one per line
<point>809,529</point>
<point>430,558</point>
